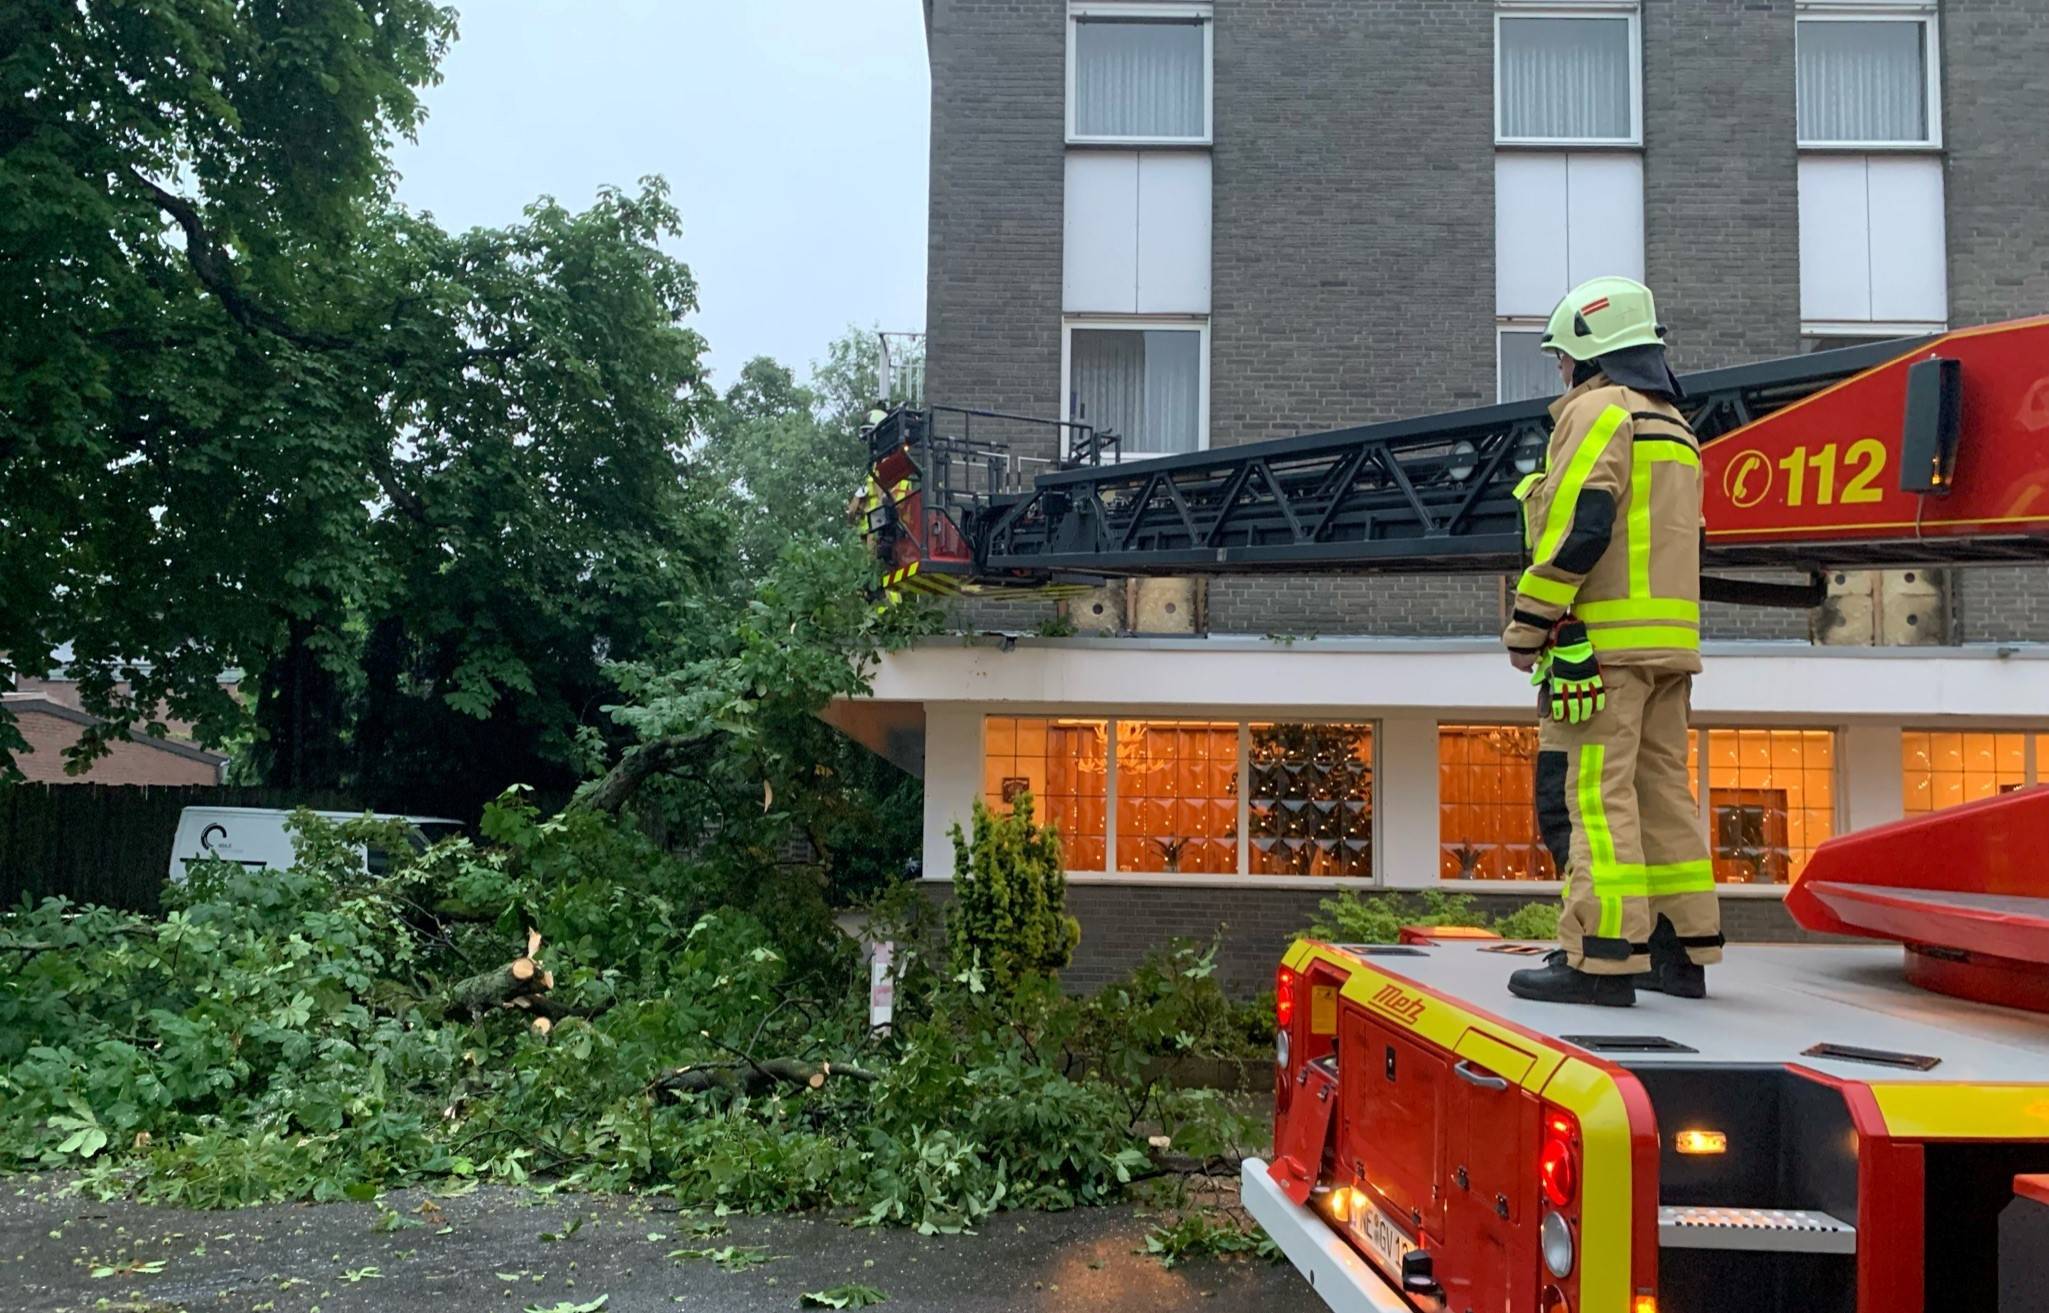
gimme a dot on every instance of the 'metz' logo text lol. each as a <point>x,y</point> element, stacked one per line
<point>1407,1007</point>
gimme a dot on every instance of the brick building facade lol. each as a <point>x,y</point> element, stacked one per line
<point>1350,202</point>
<point>51,725</point>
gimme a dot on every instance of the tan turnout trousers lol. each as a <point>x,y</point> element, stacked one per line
<point>1616,812</point>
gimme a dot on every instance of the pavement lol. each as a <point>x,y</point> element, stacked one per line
<point>506,1250</point>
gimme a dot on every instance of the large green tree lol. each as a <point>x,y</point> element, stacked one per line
<point>724,713</point>
<point>418,486</point>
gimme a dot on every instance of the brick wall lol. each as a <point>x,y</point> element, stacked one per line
<point>1120,923</point>
<point>1721,180</point>
<point>1426,606</point>
<point>1331,282</point>
<point>128,763</point>
<point>1995,86</point>
<point>998,181</point>
<point>2000,604</point>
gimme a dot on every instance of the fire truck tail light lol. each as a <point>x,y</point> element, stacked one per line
<point>1556,1168</point>
<point>1644,1304</point>
<point>1284,998</point>
<point>1701,1142</point>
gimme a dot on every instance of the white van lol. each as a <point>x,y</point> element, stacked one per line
<point>256,836</point>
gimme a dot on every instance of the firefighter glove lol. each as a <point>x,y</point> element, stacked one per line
<point>1571,677</point>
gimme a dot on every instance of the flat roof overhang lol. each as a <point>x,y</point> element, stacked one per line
<point>1762,682</point>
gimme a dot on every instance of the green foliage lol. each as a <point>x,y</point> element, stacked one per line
<point>1210,1233</point>
<point>850,1295</point>
<point>1350,918</point>
<point>1530,921</point>
<point>728,1258</point>
<point>253,414</point>
<point>282,1035</point>
<point>1009,920</point>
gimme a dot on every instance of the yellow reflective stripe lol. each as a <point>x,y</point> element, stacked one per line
<point>1680,877</point>
<point>1641,637</point>
<point>1523,488</point>
<point>1639,523</point>
<point>1666,449</point>
<point>1536,585</point>
<point>1600,844</point>
<point>1613,880</point>
<point>1559,517</point>
<point>1634,608</point>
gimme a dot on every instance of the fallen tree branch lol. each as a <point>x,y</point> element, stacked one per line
<point>517,984</point>
<point>620,783</point>
<point>754,1077</point>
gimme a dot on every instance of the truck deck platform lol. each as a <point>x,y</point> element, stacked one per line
<point>1767,1005</point>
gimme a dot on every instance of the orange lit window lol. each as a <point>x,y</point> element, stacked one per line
<point>1771,800</point>
<point>1486,815</point>
<point>1941,768</point>
<point>1177,797</point>
<point>1062,762</point>
<point>1311,805</point>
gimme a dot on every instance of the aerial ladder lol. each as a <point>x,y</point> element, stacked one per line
<point>1827,1132</point>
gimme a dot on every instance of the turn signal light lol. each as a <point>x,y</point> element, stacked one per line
<point>1555,1166</point>
<point>1701,1142</point>
<point>1644,1304</point>
<point>1284,998</point>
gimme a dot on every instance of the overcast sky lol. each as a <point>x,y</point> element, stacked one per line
<point>792,133</point>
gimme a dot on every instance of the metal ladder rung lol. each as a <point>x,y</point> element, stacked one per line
<point>1762,1230</point>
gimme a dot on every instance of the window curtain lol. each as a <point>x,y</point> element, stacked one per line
<point>1565,78</point>
<point>1138,79</point>
<point>1143,385</point>
<point>1862,82</point>
<point>1526,372</point>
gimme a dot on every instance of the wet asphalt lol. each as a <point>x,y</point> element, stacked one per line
<point>485,1252</point>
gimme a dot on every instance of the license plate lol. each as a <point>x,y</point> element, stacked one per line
<point>1382,1237</point>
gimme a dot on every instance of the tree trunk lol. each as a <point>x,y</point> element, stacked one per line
<point>514,983</point>
<point>620,783</point>
<point>755,1078</point>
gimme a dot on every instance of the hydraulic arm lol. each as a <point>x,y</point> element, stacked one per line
<point>1917,451</point>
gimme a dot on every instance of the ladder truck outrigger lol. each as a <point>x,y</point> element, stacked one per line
<point>1827,1132</point>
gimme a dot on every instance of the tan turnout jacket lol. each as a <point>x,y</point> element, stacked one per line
<point>1612,527</point>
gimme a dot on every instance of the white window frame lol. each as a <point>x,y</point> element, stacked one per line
<point>1136,323</point>
<point>1868,11</point>
<point>1201,14</point>
<point>1624,9</point>
<point>1503,325</point>
<point>1870,327</point>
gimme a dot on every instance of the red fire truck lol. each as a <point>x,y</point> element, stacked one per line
<point>1841,1127</point>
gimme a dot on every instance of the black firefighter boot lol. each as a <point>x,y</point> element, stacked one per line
<point>1555,982</point>
<point>1672,971</point>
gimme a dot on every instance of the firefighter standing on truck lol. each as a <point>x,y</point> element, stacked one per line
<point>1607,620</point>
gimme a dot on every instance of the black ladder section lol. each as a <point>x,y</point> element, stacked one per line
<point>1433,494</point>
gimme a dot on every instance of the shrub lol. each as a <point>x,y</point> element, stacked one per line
<point>1378,919</point>
<point>1009,920</point>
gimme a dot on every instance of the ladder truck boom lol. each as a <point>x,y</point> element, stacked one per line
<point>1921,451</point>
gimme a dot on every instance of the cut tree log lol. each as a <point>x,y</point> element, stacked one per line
<point>754,1077</point>
<point>496,988</point>
<point>515,985</point>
